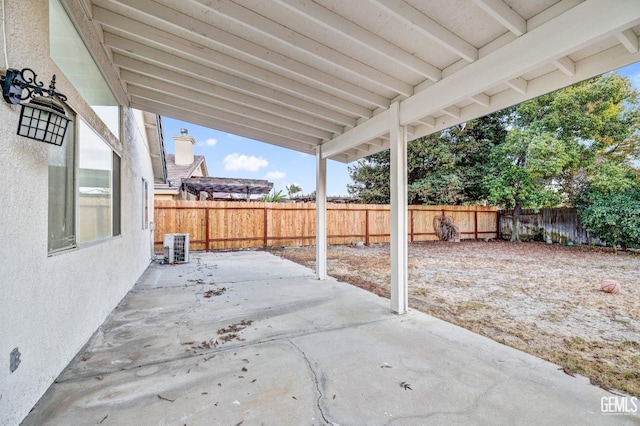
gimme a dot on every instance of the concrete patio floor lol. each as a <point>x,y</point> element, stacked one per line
<point>249,338</point>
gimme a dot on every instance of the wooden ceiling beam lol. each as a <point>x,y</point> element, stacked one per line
<point>140,40</point>
<point>502,13</point>
<point>191,30</point>
<point>150,63</point>
<point>429,28</point>
<point>170,110</point>
<point>356,34</point>
<point>629,40</point>
<point>238,120</point>
<point>303,45</point>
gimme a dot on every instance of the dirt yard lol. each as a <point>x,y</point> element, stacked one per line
<point>542,299</point>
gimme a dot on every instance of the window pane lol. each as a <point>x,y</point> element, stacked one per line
<point>95,161</point>
<point>61,201</point>
<point>116,194</point>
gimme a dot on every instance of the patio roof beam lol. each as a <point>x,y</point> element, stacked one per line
<point>220,115</point>
<point>189,115</point>
<point>566,65</point>
<point>280,34</point>
<point>134,39</point>
<point>586,23</point>
<point>629,39</point>
<point>504,14</point>
<point>145,59</point>
<point>146,87</point>
<point>355,33</point>
<point>370,129</point>
<point>429,28</point>
<point>190,29</point>
<point>212,95</point>
<point>215,98</point>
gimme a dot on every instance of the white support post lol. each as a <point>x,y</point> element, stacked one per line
<point>399,243</point>
<point>321,215</point>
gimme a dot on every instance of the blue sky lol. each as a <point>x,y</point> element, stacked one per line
<point>237,157</point>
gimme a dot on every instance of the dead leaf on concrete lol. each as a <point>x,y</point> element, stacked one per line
<point>165,398</point>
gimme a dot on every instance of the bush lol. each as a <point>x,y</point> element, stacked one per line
<point>613,217</point>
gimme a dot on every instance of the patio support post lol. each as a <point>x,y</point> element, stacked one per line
<point>399,245</point>
<point>321,215</point>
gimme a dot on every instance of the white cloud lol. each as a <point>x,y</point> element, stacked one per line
<point>237,161</point>
<point>211,142</point>
<point>275,175</point>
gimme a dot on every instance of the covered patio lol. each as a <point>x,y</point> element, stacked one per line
<point>343,80</point>
<point>213,342</point>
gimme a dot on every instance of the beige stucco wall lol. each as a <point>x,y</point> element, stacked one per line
<point>51,305</point>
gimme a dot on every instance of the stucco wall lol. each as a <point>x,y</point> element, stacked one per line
<point>51,305</point>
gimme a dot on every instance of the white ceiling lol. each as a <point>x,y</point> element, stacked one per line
<point>302,73</point>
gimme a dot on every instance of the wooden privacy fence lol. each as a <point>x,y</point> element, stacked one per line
<point>216,225</point>
<point>560,225</point>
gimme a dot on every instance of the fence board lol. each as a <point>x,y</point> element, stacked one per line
<point>215,225</point>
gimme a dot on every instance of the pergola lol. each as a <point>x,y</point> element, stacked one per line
<point>213,185</point>
<point>346,79</point>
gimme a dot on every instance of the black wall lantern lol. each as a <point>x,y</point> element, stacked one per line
<point>43,118</point>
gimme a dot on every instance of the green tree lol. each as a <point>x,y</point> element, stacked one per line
<point>370,176</point>
<point>598,119</point>
<point>609,205</point>
<point>443,168</point>
<point>555,145</point>
<point>559,142</point>
<point>526,166</point>
<point>613,217</point>
<point>293,189</point>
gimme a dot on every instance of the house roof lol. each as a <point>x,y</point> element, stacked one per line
<point>177,172</point>
<point>338,75</point>
<point>155,136</point>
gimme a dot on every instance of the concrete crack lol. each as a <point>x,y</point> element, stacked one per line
<point>315,381</point>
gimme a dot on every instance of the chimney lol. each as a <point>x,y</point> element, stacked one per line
<point>184,148</point>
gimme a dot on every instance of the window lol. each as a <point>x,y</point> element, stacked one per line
<point>145,204</point>
<point>62,189</point>
<point>84,174</point>
<point>95,180</point>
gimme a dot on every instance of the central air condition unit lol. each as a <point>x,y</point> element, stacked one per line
<point>176,248</point>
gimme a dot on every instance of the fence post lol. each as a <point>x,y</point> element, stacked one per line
<point>206,229</point>
<point>475,225</point>
<point>266,238</point>
<point>366,227</point>
<point>411,221</point>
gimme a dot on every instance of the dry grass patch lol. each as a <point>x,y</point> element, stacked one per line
<point>538,298</point>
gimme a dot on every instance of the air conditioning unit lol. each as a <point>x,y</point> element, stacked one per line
<point>176,248</point>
